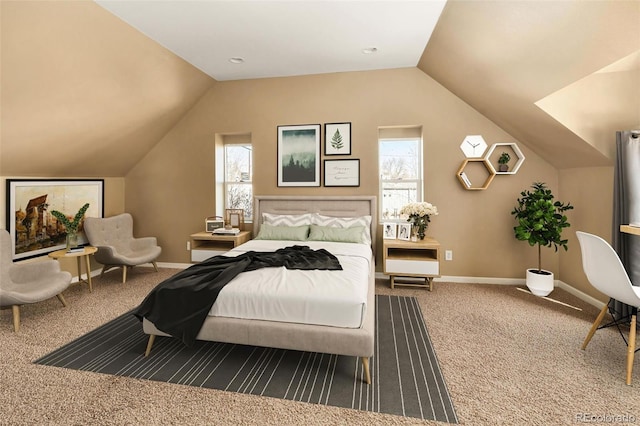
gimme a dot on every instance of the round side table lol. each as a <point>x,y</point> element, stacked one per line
<point>84,253</point>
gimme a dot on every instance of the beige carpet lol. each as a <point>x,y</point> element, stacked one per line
<point>508,358</point>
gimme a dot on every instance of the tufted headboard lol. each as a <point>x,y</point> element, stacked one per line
<point>339,206</point>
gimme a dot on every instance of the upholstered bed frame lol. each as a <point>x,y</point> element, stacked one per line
<point>311,338</point>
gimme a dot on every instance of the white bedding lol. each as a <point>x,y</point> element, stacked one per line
<point>332,298</point>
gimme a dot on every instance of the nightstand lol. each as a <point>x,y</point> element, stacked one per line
<point>413,259</point>
<point>205,244</point>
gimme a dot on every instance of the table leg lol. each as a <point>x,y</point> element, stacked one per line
<point>80,280</point>
<point>88,266</point>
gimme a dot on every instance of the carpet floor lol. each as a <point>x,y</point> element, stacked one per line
<point>406,378</point>
<point>509,358</point>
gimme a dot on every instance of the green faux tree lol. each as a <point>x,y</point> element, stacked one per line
<point>541,219</point>
<point>336,140</point>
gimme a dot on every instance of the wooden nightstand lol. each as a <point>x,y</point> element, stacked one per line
<point>205,244</point>
<point>416,259</point>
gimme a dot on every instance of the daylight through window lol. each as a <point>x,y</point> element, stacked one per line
<point>400,175</point>
<point>238,188</point>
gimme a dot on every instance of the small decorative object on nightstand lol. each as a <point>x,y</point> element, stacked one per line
<point>419,215</point>
<point>419,259</point>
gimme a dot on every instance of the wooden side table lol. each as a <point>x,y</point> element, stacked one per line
<point>416,259</point>
<point>85,253</point>
<point>205,244</point>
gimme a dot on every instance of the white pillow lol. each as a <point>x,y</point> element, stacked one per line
<point>287,219</point>
<point>346,222</point>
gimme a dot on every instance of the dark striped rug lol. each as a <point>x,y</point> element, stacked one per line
<point>405,376</point>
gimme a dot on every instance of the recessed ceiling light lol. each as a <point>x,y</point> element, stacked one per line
<point>369,50</point>
<point>236,60</point>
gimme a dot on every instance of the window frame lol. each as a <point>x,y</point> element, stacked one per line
<point>227,183</point>
<point>418,181</point>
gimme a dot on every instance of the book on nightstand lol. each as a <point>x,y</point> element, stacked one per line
<point>222,231</point>
<point>75,250</point>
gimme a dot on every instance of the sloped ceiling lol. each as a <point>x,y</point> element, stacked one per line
<point>81,85</point>
<point>540,71</point>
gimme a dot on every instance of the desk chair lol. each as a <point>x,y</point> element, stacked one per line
<point>605,272</point>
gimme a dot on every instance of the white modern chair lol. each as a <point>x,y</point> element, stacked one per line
<point>605,272</point>
<point>117,247</point>
<point>25,283</point>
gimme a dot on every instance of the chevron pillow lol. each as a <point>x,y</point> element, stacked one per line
<point>346,222</point>
<point>287,219</point>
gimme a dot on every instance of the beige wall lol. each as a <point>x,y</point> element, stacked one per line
<point>590,190</point>
<point>172,190</point>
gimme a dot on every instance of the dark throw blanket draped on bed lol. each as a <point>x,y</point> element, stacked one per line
<point>179,305</point>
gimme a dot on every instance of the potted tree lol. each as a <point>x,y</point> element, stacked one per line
<point>503,162</point>
<point>540,222</point>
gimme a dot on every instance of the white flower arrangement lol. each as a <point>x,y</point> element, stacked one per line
<point>419,209</point>
<point>419,214</point>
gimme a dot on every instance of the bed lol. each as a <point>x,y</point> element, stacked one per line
<point>349,334</point>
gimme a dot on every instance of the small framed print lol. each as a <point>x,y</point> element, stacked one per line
<point>389,230</point>
<point>337,139</point>
<point>404,231</point>
<point>342,172</point>
<point>234,218</point>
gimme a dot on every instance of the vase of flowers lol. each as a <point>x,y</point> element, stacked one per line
<point>71,226</point>
<point>419,215</point>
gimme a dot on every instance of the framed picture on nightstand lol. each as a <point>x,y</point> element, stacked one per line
<point>389,231</point>
<point>404,231</point>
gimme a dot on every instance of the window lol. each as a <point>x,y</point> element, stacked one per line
<point>238,189</point>
<point>400,174</point>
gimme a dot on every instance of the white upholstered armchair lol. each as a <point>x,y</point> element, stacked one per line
<point>25,283</point>
<point>117,247</point>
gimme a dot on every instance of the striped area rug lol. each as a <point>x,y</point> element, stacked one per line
<point>405,376</point>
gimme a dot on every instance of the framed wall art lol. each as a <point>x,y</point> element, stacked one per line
<point>337,139</point>
<point>342,172</point>
<point>299,155</point>
<point>34,230</point>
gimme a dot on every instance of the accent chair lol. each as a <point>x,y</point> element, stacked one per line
<point>117,247</point>
<point>25,283</point>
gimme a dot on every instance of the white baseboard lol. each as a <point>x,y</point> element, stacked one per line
<point>579,294</point>
<point>174,265</point>
<point>511,281</point>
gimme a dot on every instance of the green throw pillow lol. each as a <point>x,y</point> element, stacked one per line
<point>286,233</point>
<point>353,234</point>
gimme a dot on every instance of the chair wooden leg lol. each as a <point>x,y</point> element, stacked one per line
<point>631,348</point>
<point>365,366</point>
<point>104,268</point>
<point>61,299</point>
<point>152,338</point>
<point>16,317</point>
<point>595,325</point>
<point>124,273</point>
<point>155,266</point>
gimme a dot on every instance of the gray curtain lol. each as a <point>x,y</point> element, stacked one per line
<point>626,206</point>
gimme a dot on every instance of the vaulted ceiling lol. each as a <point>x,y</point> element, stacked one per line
<point>76,79</point>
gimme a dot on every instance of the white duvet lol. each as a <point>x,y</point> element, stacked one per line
<point>332,298</point>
